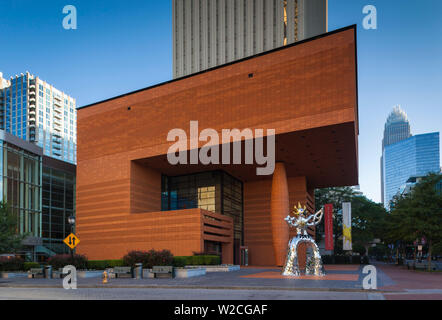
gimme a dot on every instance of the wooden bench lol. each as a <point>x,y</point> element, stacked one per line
<point>162,272</point>
<point>122,271</point>
<point>36,273</point>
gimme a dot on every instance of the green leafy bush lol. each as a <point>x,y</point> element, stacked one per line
<point>104,264</point>
<point>31,265</point>
<point>61,260</point>
<point>11,264</point>
<point>179,262</point>
<point>149,258</point>
<point>198,260</point>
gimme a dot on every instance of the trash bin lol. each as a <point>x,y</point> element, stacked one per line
<point>48,272</point>
<point>138,271</point>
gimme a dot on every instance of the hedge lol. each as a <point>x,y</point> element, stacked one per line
<point>104,264</point>
<point>200,260</point>
<point>31,265</point>
<point>61,260</point>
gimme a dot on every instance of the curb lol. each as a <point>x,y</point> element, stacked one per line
<point>198,287</point>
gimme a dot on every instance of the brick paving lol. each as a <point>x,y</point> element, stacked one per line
<point>411,284</point>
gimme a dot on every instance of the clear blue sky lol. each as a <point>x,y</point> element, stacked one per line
<point>121,46</point>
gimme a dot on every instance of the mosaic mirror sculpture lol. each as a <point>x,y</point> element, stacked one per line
<point>301,221</point>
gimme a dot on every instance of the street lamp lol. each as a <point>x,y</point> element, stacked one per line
<point>71,221</point>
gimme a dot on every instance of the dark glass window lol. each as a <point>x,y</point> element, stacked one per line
<point>214,191</point>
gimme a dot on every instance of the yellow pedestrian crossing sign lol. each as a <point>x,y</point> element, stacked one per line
<point>71,241</point>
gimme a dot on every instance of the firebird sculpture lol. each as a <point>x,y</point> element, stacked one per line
<point>301,221</point>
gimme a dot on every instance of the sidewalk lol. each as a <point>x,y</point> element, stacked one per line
<point>411,284</point>
<point>338,278</point>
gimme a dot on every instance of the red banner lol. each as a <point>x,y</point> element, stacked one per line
<point>328,208</point>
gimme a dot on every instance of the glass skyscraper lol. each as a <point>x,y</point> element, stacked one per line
<point>412,157</point>
<point>35,111</point>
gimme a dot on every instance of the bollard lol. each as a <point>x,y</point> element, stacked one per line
<point>48,272</point>
<point>138,271</point>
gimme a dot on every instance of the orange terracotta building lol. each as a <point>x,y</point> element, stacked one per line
<point>129,196</point>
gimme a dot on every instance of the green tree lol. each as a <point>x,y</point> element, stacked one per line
<point>10,240</point>
<point>418,214</point>
<point>368,217</point>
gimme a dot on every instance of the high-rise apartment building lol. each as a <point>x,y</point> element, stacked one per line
<point>35,111</point>
<point>397,128</point>
<point>208,33</point>
<point>415,156</point>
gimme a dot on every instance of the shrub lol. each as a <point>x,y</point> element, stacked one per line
<point>104,264</point>
<point>11,264</point>
<point>31,265</point>
<point>149,259</point>
<point>197,260</point>
<point>179,262</point>
<point>61,260</point>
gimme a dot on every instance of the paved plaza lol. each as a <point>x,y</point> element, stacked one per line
<point>341,282</point>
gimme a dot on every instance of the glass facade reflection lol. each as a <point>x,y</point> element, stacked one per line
<point>21,186</point>
<point>413,157</point>
<point>214,191</point>
<point>58,203</point>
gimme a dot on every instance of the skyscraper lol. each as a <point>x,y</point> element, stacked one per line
<point>208,33</point>
<point>397,128</point>
<point>415,156</point>
<point>35,111</point>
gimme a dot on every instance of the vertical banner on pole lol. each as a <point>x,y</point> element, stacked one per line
<point>328,226</point>
<point>346,225</point>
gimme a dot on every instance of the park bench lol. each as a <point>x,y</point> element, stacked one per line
<point>122,271</point>
<point>410,264</point>
<point>162,272</point>
<point>36,273</point>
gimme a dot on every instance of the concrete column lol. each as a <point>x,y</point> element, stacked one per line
<point>279,209</point>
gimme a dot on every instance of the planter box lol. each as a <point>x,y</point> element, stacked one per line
<point>220,268</point>
<point>189,272</point>
<point>89,274</point>
<point>10,275</point>
<point>148,274</point>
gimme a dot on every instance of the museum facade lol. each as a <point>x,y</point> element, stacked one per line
<point>130,197</point>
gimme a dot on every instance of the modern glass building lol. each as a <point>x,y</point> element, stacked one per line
<point>35,111</point>
<point>412,157</point>
<point>58,203</point>
<point>20,187</point>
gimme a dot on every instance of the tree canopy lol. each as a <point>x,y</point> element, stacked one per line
<point>418,213</point>
<point>368,217</point>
